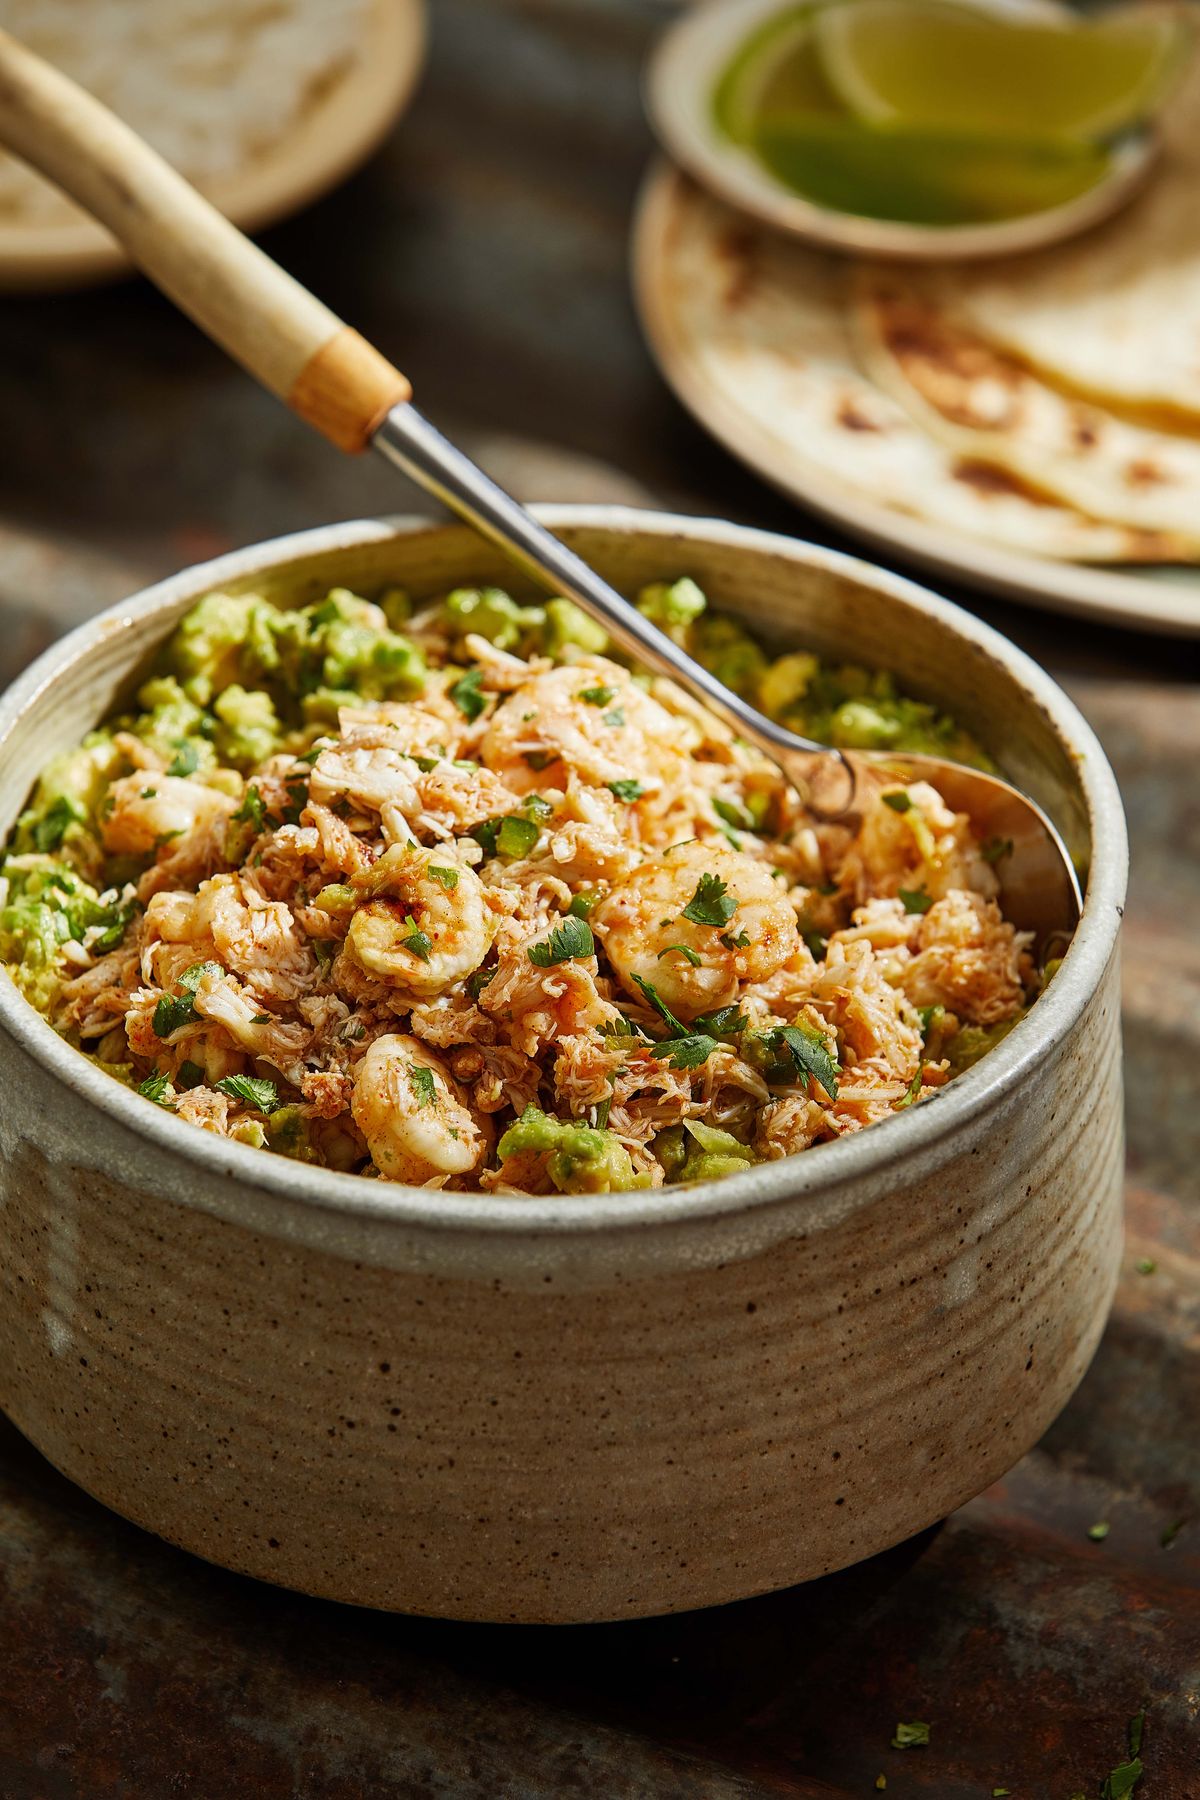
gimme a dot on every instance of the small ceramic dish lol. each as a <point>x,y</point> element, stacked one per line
<point>337,132</point>
<point>553,1409</point>
<point>680,80</point>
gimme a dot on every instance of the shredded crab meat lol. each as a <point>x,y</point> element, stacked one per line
<point>515,931</point>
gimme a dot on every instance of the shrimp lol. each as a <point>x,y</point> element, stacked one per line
<point>426,921</point>
<point>414,1115</point>
<point>376,777</point>
<point>255,937</point>
<point>694,966</point>
<point>589,717</point>
<point>147,810</point>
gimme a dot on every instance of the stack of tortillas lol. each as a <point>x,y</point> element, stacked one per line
<point>1047,404</point>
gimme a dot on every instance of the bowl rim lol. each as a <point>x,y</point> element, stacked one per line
<point>676,84</point>
<point>826,1171</point>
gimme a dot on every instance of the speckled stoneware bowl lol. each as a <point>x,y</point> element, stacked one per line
<point>571,1409</point>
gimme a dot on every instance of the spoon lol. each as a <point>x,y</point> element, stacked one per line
<point>347,390</point>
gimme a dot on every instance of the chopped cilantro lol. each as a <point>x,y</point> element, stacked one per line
<point>539,759</point>
<point>615,718</point>
<point>808,1053</point>
<point>996,849</point>
<point>156,1087</point>
<point>252,811</point>
<point>660,1006</point>
<point>915,900</point>
<point>255,1091</point>
<point>466,695</point>
<point>297,792</point>
<point>416,943</point>
<point>447,878</point>
<point>688,954</point>
<point>597,696</point>
<point>914,1088</point>
<point>733,813</point>
<point>423,1084</point>
<point>688,1052</point>
<point>176,1010</point>
<point>570,939</point>
<point>817,945</point>
<point>148,794</point>
<point>186,760</point>
<point>190,1075</point>
<point>909,1736</point>
<point>628,791</point>
<point>900,800</point>
<point>1099,1531</point>
<point>735,940</point>
<point>711,904</point>
<point>478,981</point>
<point>727,1021</point>
<point>516,836</point>
<point>426,764</point>
<point>261,1019</point>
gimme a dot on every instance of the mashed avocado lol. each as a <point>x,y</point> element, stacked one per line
<point>577,1158</point>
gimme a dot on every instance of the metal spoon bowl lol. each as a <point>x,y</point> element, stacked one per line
<point>337,382</point>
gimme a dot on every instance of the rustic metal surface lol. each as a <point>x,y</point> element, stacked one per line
<point>484,250</point>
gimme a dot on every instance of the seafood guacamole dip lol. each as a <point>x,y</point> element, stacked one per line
<point>450,896</point>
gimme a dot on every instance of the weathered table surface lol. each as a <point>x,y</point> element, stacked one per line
<point>485,250</point>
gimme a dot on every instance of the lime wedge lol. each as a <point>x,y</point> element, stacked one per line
<point>934,64</point>
<point>924,177</point>
<point>777,70</point>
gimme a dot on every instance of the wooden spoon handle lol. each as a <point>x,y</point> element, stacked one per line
<point>294,345</point>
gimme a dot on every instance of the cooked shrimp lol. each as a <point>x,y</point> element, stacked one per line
<point>257,938</point>
<point>693,966</point>
<point>549,726</point>
<point>427,921</point>
<point>148,810</point>
<point>414,1115</point>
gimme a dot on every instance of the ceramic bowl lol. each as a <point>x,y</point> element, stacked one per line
<point>566,1409</point>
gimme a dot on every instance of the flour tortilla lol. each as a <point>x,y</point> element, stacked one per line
<point>983,403</point>
<point>763,325</point>
<point>1114,314</point>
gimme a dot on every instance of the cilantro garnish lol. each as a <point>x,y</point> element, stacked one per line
<point>817,945</point>
<point>253,809</point>
<point>711,904</point>
<point>187,759</point>
<point>727,1021</point>
<point>466,694</point>
<point>176,1010</point>
<point>148,793</point>
<point>570,939</point>
<point>615,717</point>
<point>688,1052</point>
<point>915,900</point>
<point>733,813</point>
<point>660,1006</point>
<point>416,942</point>
<point>190,1075</point>
<point>914,1088</point>
<point>628,791</point>
<point>683,950</point>
<point>910,1735</point>
<point>539,759</point>
<point>116,920</point>
<point>598,696</point>
<point>255,1091</point>
<point>996,849</point>
<point>447,878</point>
<point>297,792</point>
<point>735,940</point>
<point>478,981</point>
<point>423,1084</point>
<point>809,1054</point>
<point>900,800</point>
<point>156,1087</point>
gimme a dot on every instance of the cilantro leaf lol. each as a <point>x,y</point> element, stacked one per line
<point>914,1088</point>
<point>466,694</point>
<point>190,1075</point>
<point>809,1054</point>
<point>176,1010</point>
<point>253,809</point>
<point>817,945</point>
<point>735,940</point>
<point>570,939</point>
<point>915,900</point>
<point>733,813</point>
<point>416,942</point>
<point>688,1052</point>
<point>909,1735</point>
<point>711,904</point>
<point>628,791</point>
<point>423,1084</point>
<point>478,981</point>
<point>660,1006</point>
<point>447,878</point>
<point>253,1090</point>
<point>156,1087</point>
<point>727,1021</point>
<point>187,759</point>
<point>900,800</point>
<point>598,696</point>
<point>683,949</point>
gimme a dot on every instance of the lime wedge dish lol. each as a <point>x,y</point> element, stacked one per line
<point>937,113</point>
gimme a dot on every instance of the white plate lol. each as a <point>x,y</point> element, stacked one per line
<point>332,137</point>
<point>1162,601</point>
<point>683,72</point>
